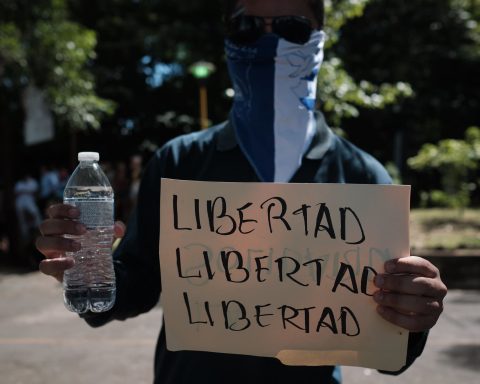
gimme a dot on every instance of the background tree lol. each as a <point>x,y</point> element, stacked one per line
<point>433,45</point>
<point>402,73</point>
<point>456,164</point>
<point>40,46</point>
<point>396,75</point>
<point>146,47</point>
<point>342,96</point>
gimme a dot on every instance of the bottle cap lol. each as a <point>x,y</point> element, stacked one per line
<point>88,156</point>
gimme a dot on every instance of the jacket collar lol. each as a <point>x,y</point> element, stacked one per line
<point>321,142</point>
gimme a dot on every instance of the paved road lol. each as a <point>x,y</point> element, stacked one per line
<point>41,342</point>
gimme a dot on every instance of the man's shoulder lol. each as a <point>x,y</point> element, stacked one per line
<point>194,142</point>
<point>200,139</point>
<point>350,151</point>
<point>359,163</point>
<point>190,148</point>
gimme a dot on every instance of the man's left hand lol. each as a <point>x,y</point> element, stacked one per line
<point>411,293</point>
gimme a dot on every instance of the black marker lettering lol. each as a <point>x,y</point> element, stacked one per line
<point>242,220</point>
<point>288,319</point>
<point>225,256</point>
<point>211,212</point>
<point>365,274</point>
<point>175,215</point>
<point>187,303</point>
<point>324,212</point>
<point>332,325</point>
<point>272,204</point>
<point>304,212</point>
<point>179,267</point>
<point>258,314</point>
<point>296,268</point>
<point>243,316</point>
<point>345,312</point>
<point>343,214</point>
<point>318,269</point>
<point>259,269</point>
<point>344,268</point>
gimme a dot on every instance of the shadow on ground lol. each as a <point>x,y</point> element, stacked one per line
<point>465,356</point>
<point>468,298</point>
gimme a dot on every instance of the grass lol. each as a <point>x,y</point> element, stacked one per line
<point>445,229</point>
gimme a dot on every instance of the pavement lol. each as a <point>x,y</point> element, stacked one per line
<point>41,342</point>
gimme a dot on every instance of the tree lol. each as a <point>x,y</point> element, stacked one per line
<point>433,45</point>
<point>342,96</point>
<point>455,161</point>
<point>145,48</point>
<point>40,46</point>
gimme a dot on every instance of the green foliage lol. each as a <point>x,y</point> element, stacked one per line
<point>11,50</point>
<point>138,43</point>
<point>169,31</point>
<point>394,173</point>
<point>433,46</point>
<point>337,15</point>
<point>68,82</point>
<point>468,11</point>
<point>342,96</point>
<point>39,45</point>
<point>454,160</point>
<point>444,228</point>
<point>390,67</point>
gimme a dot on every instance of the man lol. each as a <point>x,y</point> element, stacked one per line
<point>49,183</point>
<point>274,49</point>
<point>28,214</point>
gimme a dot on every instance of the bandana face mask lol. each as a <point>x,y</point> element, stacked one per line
<point>275,84</point>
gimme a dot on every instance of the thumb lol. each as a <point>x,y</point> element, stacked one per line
<point>118,232</point>
<point>119,229</point>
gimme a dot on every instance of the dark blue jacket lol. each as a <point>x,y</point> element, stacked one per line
<point>214,155</point>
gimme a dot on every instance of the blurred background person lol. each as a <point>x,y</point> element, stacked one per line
<point>63,176</point>
<point>28,213</point>
<point>49,182</point>
<point>136,162</point>
<point>121,186</point>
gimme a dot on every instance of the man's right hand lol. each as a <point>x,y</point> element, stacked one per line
<point>62,220</point>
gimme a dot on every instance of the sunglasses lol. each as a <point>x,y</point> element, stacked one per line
<point>246,29</point>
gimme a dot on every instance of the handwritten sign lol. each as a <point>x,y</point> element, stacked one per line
<point>281,270</point>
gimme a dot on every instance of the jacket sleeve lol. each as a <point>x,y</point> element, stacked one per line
<point>136,259</point>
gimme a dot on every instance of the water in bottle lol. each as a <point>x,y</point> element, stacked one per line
<point>90,284</point>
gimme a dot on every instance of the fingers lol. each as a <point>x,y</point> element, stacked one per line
<point>56,267</point>
<point>52,243</point>
<point>55,227</point>
<point>119,229</point>
<point>410,285</point>
<point>409,304</point>
<point>63,211</point>
<point>411,322</point>
<point>54,247</point>
<point>411,293</point>
<point>413,265</point>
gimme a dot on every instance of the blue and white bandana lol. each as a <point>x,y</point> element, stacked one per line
<point>275,84</point>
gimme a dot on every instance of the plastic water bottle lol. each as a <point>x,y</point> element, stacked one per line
<point>90,284</point>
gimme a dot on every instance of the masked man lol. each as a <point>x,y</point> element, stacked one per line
<point>274,49</point>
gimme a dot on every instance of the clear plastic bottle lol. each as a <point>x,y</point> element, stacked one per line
<point>90,284</point>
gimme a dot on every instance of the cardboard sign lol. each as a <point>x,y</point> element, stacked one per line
<point>281,270</point>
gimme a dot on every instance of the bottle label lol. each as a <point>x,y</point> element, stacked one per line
<point>95,213</point>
